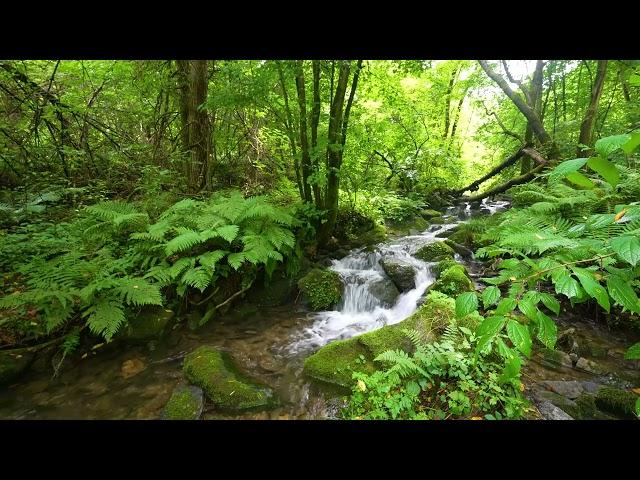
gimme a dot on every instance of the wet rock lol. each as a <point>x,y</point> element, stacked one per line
<point>570,389</point>
<point>550,412</point>
<point>131,368</point>
<point>149,325</point>
<point>321,288</point>
<point>589,366</point>
<point>385,291</point>
<point>554,359</point>
<point>432,252</point>
<point>401,273</point>
<point>186,403</point>
<point>429,213</point>
<point>617,401</point>
<point>215,372</point>
<point>437,220</point>
<point>567,341</point>
<point>13,364</point>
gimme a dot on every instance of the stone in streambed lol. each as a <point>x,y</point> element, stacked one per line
<point>322,288</point>
<point>401,273</point>
<point>215,372</point>
<point>152,324</point>
<point>432,252</point>
<point>186,403</point>
<point>589,366</point>
<point>550,412</point>
<point>428,213</point>
<point>385,291</point>
<point>616,401</point>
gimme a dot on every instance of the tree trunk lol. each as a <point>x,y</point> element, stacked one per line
<point>200,127</point>
<point>588,122</point>
<point>304,142</point>
<point>535,94</point>
<point>315,120</point>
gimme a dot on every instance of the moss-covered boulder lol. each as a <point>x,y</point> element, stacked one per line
<point>443,265</point>
<point>214,372</point>
<point>453,281</point>
<point>385,291</point>
<point>433,252</point>
<point>278,291</point>
<point>401,273</point>
<point>437,220</point>
<point>186,403</point>
<point>405,226</point>
<point>13,364</point>
<point>429,213</point>
<point>151,324</point>
<point>335,363</point>
<point>322,288</point>
<point>374,236</point>
<point>459,249</point>
<point>614,400</point>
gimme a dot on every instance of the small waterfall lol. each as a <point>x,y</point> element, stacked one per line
<point>360,310</point>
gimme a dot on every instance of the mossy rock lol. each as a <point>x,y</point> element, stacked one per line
<point>432,251</point>
<point>215,372</point>
<point>443,265</point>
<point>151,324</point>
<point>453,281</point>
<point>335,363</point>
<point>378,234</point>
<point>437,220</point>
<point>186,403</point>
<point>385,291</point>
<point>276,292</point>
<point>13,364</point>
<point>616,401</point>
<point>411,223</point>
<point>586,409</point>
<point>401,273</point>
<point>322,288</point>
<point>429,213</point>
<point>463,236</point>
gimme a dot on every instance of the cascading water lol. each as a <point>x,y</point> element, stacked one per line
<point>362,311</point>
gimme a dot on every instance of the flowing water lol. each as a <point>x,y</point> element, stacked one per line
<point>270,345</point>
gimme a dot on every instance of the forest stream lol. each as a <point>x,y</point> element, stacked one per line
<point>271,344</point>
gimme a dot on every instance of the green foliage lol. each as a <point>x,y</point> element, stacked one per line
<point>439,380</point>
<point>323,288</point>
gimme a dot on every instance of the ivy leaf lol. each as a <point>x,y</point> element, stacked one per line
<point>593,288</point>
<point>605,169</point>
<point>622,293</point>
<point>527,307</point>
<point>563,169</point>
<point>547,330</point>
<point>490,295</point>
<point>580,180</point>
<point>628,248</point>
<point>506,305</point>
<point>607,145</point>
<point>633,353</point>
<point>550,302</point>
<point>466,303</point>
<point>519,335</point>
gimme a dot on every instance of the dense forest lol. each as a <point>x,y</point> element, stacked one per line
<point>320,239</point>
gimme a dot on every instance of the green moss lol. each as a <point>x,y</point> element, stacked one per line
<point>277,292</point>
<point>614,400</point>
<point>335,363</point>
<point>214,372</point>
<point>453,281</point>
<point>185,404</point>
<point>377,234</point>
<point>322,288</point>
<point>443,265</point>
<point>13,364</point>
<point>411,223</point>
<point>437,220</point>
<point>428,213</point>
<point>149,325</point>
<point>431,251</point>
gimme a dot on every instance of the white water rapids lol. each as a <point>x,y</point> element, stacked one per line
<point>360,311</point>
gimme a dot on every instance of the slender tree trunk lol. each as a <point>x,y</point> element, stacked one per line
<point>200,127</point>
<point>588,122</point>
<point>315,120</point>
<point>535,94</point>
<point>304,142</point>
<point>447,110</point>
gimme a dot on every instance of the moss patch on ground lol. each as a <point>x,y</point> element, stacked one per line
<point>214,372</point>
<point>322,288</point>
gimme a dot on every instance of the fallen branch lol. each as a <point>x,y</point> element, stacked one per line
<point>508,162</point>
<point>504,187</point>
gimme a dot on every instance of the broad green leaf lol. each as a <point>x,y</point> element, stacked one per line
<point>622,293</point>
<point>638,407</point>
<point>490,326</point>
<point>519,335</point>
<point>607,145</point>
<point>466,303</point>
<point>633,353</point>
<point>632,144</point>
<point>527,307</point>
<point>580,180</point>
<point>550,302</point>
<point>600,220</point>
<point>547,330</point>
<point>413,389</point>
<point>504,351</point>
<point>566,284</point>
<point>563,169</point>
<point>627,248</point>
<point>511,369</point>
<point>605,169</point>
<point>592,287</point>
<point>490,295</point>
<point>506,305</point>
